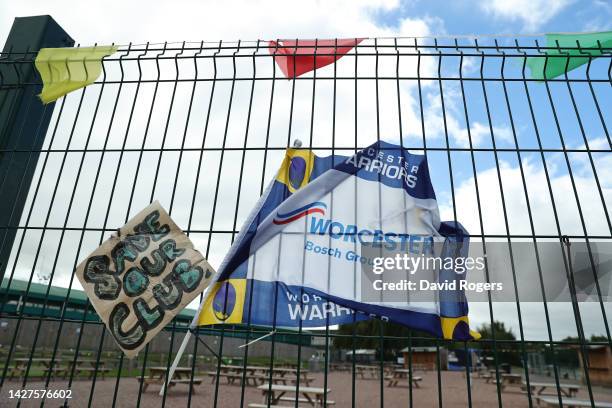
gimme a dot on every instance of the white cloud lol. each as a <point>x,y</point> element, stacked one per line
<point>157,21</point>
<point>543,217</point>
<point>541,204</point>
<point>532,13</point>
<point>439,122</point>
<point>195,20</point>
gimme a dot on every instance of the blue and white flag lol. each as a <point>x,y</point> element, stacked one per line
<point>299,257</point>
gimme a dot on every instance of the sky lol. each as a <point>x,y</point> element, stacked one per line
<point>193,20</point>
<point>158,21</point>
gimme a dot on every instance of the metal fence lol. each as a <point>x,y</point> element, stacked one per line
<point>202,127</point>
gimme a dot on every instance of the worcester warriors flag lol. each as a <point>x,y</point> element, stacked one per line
<point>299,255</point>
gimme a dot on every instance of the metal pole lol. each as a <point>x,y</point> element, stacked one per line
<point>23,118</point>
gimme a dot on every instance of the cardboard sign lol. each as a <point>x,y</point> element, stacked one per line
<point>142,276</point>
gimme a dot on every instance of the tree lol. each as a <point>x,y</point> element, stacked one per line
<point>502,346</point>
<point>368,336</point>
<point>594,338</point>
<point>497,331</point>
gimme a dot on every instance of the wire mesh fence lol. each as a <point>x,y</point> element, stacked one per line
<point>202,127</point>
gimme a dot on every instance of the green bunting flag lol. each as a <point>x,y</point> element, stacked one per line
<point>552,66</point>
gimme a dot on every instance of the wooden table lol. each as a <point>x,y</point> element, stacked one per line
<point>488,376</point>
<point>539,388</point>
<point>279,370</point>
<point>511,379</point>
<point>340,367</point>
<point>573,403</point>
<point>182,375</point>
<point>255,375</point>
<point>402,374</point>
<point>311,395</point>
<point>372,371</point>
<point>389,368</point>
<point>234,374</point>
<point>506,379</point>
<point>179,372</point>
<point>86,365</point>
<point>263,369</point>
<point>21,364</point>
<point>43,360</point>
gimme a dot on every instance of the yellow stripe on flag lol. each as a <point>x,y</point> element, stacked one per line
<point>293,162</point>
<point>64,70</point>
<point>450,323</point>
<point>225,303</point>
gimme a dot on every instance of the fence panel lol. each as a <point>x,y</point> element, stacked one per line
<point>202,127</point>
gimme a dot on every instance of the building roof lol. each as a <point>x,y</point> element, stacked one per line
<point>419,349</point>
<point>38,289</point>
<point>38,292</point>
<point>362,352</point>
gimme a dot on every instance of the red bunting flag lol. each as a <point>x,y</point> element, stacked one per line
<point>295,58</point>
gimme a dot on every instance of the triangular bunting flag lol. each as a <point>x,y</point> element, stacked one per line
<point>296,57</point>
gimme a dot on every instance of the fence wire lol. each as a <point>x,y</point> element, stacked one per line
<point>203,127</point>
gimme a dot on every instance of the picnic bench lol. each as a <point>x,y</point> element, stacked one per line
<point>419,367</point>
<point>488,376</point>
<point>182,375</point>
<point>400,374</point>
<point>87,366</point>
<point>339,367</point>
<point>255,375</point>
<point>257,379</point>
<point>275,393</point>
<point>20,366</point>
<point>510,380</point>
<point>364,371</point>
<point>572,403</point>
<point>483,374</point>
<point>58,367</point>
<point>505,379</point>
<point>389,368</point>
<point>233,377</point>
<point>539,388</point>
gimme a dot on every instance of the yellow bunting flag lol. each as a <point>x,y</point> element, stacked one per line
<point>64,70</point>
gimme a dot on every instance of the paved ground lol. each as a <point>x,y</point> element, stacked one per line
<point>367,393</point>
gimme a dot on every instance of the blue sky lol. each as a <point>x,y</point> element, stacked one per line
<point>492,17</point>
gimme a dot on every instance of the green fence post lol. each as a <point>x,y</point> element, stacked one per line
<point>23,118</point>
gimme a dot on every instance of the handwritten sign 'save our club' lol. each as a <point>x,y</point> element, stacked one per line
<point>142,276</point>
